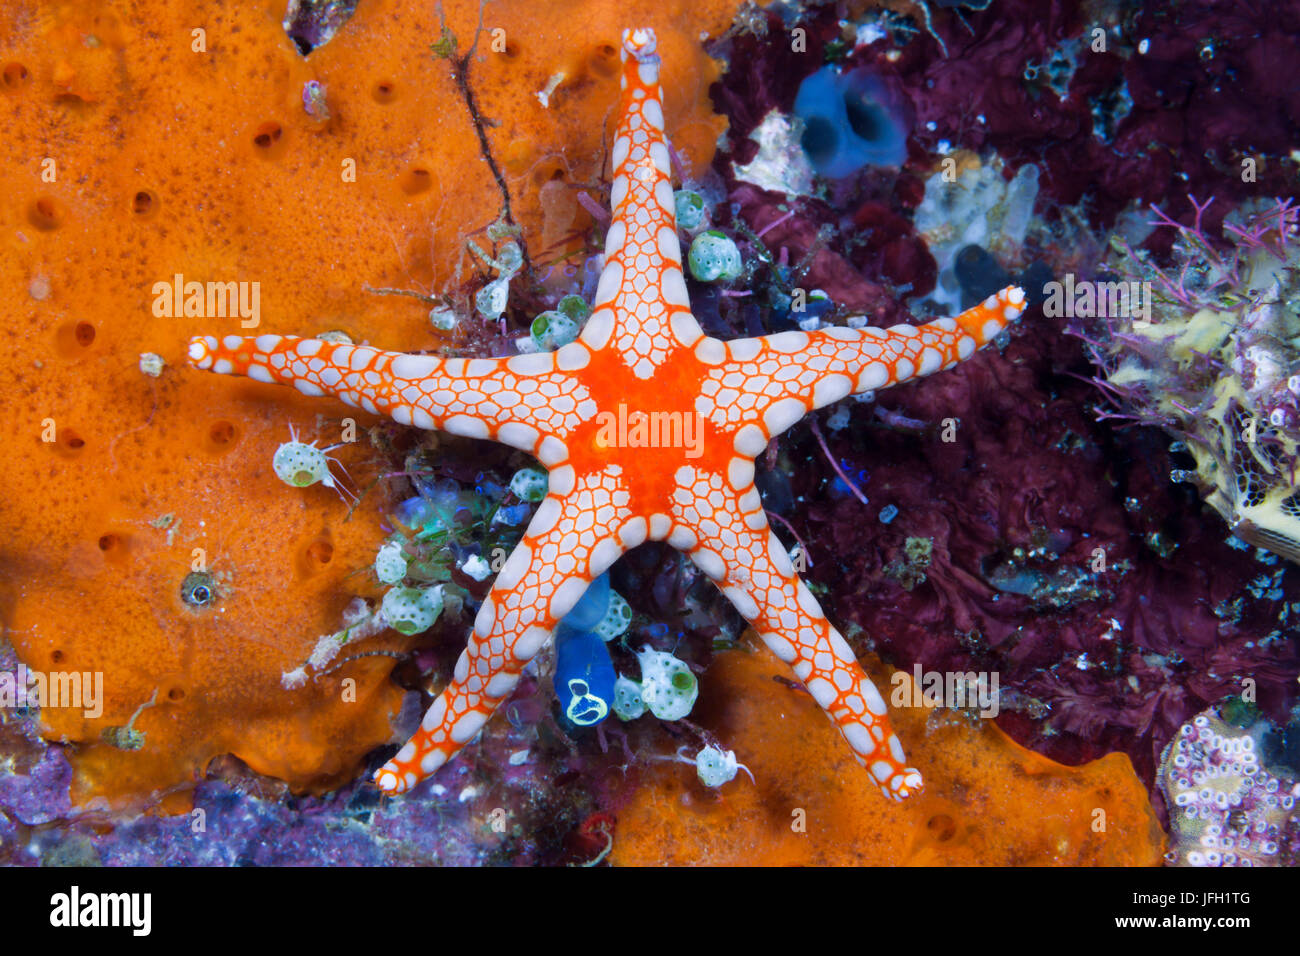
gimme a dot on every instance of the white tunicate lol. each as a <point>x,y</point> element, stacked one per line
<point>628,704</point>
<point>977,207</point>
<point>552,330</point>
<point>411,610</point>
<point>299,464</point>
<point>668,687</point>
<point>715,258</point>
<point>618,615</point>
<point>476,568</point>
<point>491,299</point>
<point>715,767</point>
<point>510,259</point>
<point>152,364</point>
<point>529,484</point>
<point>390,563</point>
<point>690,209</point>
<point>781,164</point>
<point>442,319</point>
<point>1018,204</point>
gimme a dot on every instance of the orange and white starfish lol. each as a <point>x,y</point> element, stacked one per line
<point>649,429</point>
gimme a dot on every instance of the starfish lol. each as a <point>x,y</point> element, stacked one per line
<point>641,358</point>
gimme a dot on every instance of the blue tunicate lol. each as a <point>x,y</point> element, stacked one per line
<point>888,513</point>
<point>419,514</point>
<point>487,487</point>
<point>591,607</point>
<point>584,675</point>
<point>444,493</point>
<point>788,311</point>
<point>979,274</point>
<point>512,515</point>
<point>838,486</point>
<point>850,120</point>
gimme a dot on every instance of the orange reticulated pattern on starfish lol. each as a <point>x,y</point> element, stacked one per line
<point>151,139</point>
<point>641,362</point>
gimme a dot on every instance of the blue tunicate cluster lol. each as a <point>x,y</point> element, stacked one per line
<point>851,120</point>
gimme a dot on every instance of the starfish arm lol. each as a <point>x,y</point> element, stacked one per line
<point>727,536</point>
<point>759,387</point>
<point>527,401</point>
<point>641,308</point>
<point>579,530</point>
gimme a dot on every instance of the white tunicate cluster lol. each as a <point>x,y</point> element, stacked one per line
<point>1227,808</point>
<point>618,615</point>
<point>628,704</point>
<point>668,687</point>
<point>412,610</point>
<point>299,464</point>
<point>529,484</point>
<point>976,208</point>
<point>715,258</point>
<point>390,563</point>
<point>715,767</point>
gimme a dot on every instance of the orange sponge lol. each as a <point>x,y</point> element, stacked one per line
<point>987,800</point>
<point>165,139</point>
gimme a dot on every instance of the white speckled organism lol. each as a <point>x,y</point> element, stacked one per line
<point>302,464</point>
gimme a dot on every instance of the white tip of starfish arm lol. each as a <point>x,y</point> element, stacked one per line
<point>640,43</point>
<point>1012,299</point>
<point>905,784</point>
<point>388,780</point>
<point>201,349</point>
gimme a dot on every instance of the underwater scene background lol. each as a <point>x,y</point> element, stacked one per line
<point>1067,561</point>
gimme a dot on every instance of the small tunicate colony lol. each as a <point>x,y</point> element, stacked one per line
<point>1225,807</point>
